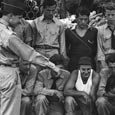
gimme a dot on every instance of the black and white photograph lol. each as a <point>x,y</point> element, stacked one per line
<point>57,57</point>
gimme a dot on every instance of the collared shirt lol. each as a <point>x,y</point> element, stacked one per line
<point>51,34</point>
<point>104,75</point>
<point>12,47</point>
<point>45,81</point>
<point>6,56</point>
<point>24,31</point>
<point>104,41</point>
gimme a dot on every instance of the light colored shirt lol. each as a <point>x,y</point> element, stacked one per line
<point>51,34</point>
<point>45,81</point>
<point>80,86</point>
<point>104,41</point>
<point>12,47</point>
<point>104,75</point>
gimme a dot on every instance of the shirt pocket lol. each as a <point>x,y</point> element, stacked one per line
<point>54,31</point>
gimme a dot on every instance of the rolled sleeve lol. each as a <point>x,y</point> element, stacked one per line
<point>100,51</point>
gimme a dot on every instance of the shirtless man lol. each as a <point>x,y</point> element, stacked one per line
<point>81,88</point>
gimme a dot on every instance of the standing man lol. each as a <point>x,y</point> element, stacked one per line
<point>81,41</point>
<point>49,33</point>
<point>106,93</point>
<point>49,89</point>
<point>81,88</point>
<point>11,49</point>
<point>106,35</point>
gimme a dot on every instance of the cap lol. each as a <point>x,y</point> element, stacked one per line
<point>85,61</point>
<point>17,7</point>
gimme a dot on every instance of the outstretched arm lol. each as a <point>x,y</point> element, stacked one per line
<point>28,53</point>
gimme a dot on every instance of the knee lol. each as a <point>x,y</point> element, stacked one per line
<point>26,100</point>
<point>41,98</point>
<point>100,101</point>
<point>69,100</point>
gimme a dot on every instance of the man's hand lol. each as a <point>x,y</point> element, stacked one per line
<point>54,68</point>
<point>59,95</point>
<point>57,70</point>
<point>85,98</point>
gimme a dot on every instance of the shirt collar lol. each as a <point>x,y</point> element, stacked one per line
<point>3,22</point>
<point>53,20</point>
<point>107,27</point>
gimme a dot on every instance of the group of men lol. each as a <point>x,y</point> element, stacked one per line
<point>56,65</point>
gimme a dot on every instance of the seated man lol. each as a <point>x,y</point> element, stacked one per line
<point>49,89</point>
<point>81,88</point>
<point>106,93</point>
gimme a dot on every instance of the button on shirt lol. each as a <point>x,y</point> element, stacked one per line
<point>104,41</point>
<point>51,34</point>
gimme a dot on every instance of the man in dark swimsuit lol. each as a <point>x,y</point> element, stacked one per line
<point>81,41</point>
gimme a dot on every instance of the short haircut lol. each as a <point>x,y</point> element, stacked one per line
<point>82,11</point>
<point>57,59</point>
<point>48,3</point>
<point>109,6</point>
<point>110,58</point>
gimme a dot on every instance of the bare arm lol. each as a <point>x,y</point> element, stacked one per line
<point>69,88</point>
<point>95,83</point>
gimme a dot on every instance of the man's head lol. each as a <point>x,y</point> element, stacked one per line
<point>82,16</point>
<point>110,12</point>
<point>110,60</point>
<point>13,10</point>
<point>49,9</point>
<point>58,60</point>
<point>85,66</point>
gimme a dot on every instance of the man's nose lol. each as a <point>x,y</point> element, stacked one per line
<point>110,16</point>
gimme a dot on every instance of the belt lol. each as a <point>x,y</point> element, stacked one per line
<point>45,47</point>
<point>9,65</point>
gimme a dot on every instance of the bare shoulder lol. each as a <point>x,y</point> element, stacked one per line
<point>74,75</point>
<point>95,77</point>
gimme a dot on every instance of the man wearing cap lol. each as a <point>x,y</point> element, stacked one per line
<point>106,35</point>
<point>49,36</point>
<point>106,93</point>
<point>81,89</point>
<point>11,49</point>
